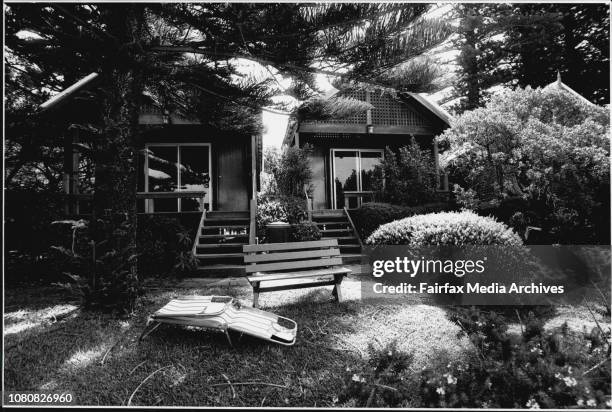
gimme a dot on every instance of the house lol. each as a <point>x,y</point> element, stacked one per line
<point>346,150</point>
<point>205,177</point>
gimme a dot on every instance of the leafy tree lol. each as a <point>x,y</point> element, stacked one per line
<point>545,146</point>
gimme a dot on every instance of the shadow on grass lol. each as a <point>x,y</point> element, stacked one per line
<point>100,360</point>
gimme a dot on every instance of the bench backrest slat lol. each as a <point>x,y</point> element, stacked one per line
<point>269,247</point>
<point>302,254</point>
<point>291,265</point>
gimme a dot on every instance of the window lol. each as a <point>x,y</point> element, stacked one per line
<point>170,168</point>
<point>352,175</point>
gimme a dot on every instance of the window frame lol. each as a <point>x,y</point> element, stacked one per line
<point>149,207</point>
<point>332,175</point>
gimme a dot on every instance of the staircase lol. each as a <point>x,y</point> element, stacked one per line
<point>335,224</point>
<point>218,245</point>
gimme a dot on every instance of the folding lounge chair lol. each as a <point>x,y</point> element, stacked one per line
<point>224,313</point>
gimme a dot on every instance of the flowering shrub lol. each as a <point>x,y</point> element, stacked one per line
<point>537,369</point>
<point>544,146</point>
<point>446,228</point>
<point>385,381</point>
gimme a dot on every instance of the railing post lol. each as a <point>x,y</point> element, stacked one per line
<point>253,202</point>
<point>308,206</point>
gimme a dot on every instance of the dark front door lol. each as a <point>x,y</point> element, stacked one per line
<point>232,177</point>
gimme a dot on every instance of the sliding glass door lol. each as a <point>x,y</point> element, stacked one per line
<point>352,175</point>
<point>178,168</point>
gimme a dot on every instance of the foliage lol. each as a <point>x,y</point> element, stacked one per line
<point>465,198</point>
<point>545,146</point>
<point>386,380</point>
<point>481,51</point>
<point>573,39</point>
<point>409,176</point>
<point>538,369</point>
<point>320,108</point>
<point>106,280</point>
<point>527,45</point>
<point>304,231</point>
<point>164,246</point>
<point>281,209</point>
<point>445,228</point>
<point>369,216</point>
<point>292,171</point>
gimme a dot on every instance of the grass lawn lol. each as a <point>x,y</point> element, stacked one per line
<point>52,346</point>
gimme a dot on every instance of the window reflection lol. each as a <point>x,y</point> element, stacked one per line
<point>183,168</point>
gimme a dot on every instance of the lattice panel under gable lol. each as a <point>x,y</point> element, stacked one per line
<point>359,118</point>
<point>392,112</point>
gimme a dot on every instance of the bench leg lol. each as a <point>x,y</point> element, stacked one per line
<point>256,295</point>
<point>336,292</point>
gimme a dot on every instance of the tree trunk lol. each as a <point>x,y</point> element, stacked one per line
<point>114,280</point>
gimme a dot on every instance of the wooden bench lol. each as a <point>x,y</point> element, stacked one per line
<point>294,265</point>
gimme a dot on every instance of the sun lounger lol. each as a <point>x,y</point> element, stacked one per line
<point>224,313</point>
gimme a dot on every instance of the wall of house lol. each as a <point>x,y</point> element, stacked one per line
<point>230,161</point>
<point>323,143</point>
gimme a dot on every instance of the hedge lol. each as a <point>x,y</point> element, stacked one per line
<point>370,216</point>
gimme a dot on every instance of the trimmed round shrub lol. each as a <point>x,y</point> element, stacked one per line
<point>445,229</point>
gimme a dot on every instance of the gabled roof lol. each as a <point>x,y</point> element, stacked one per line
<point>421,98</point>
<point>559,85</point>
<point>433,107</point>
